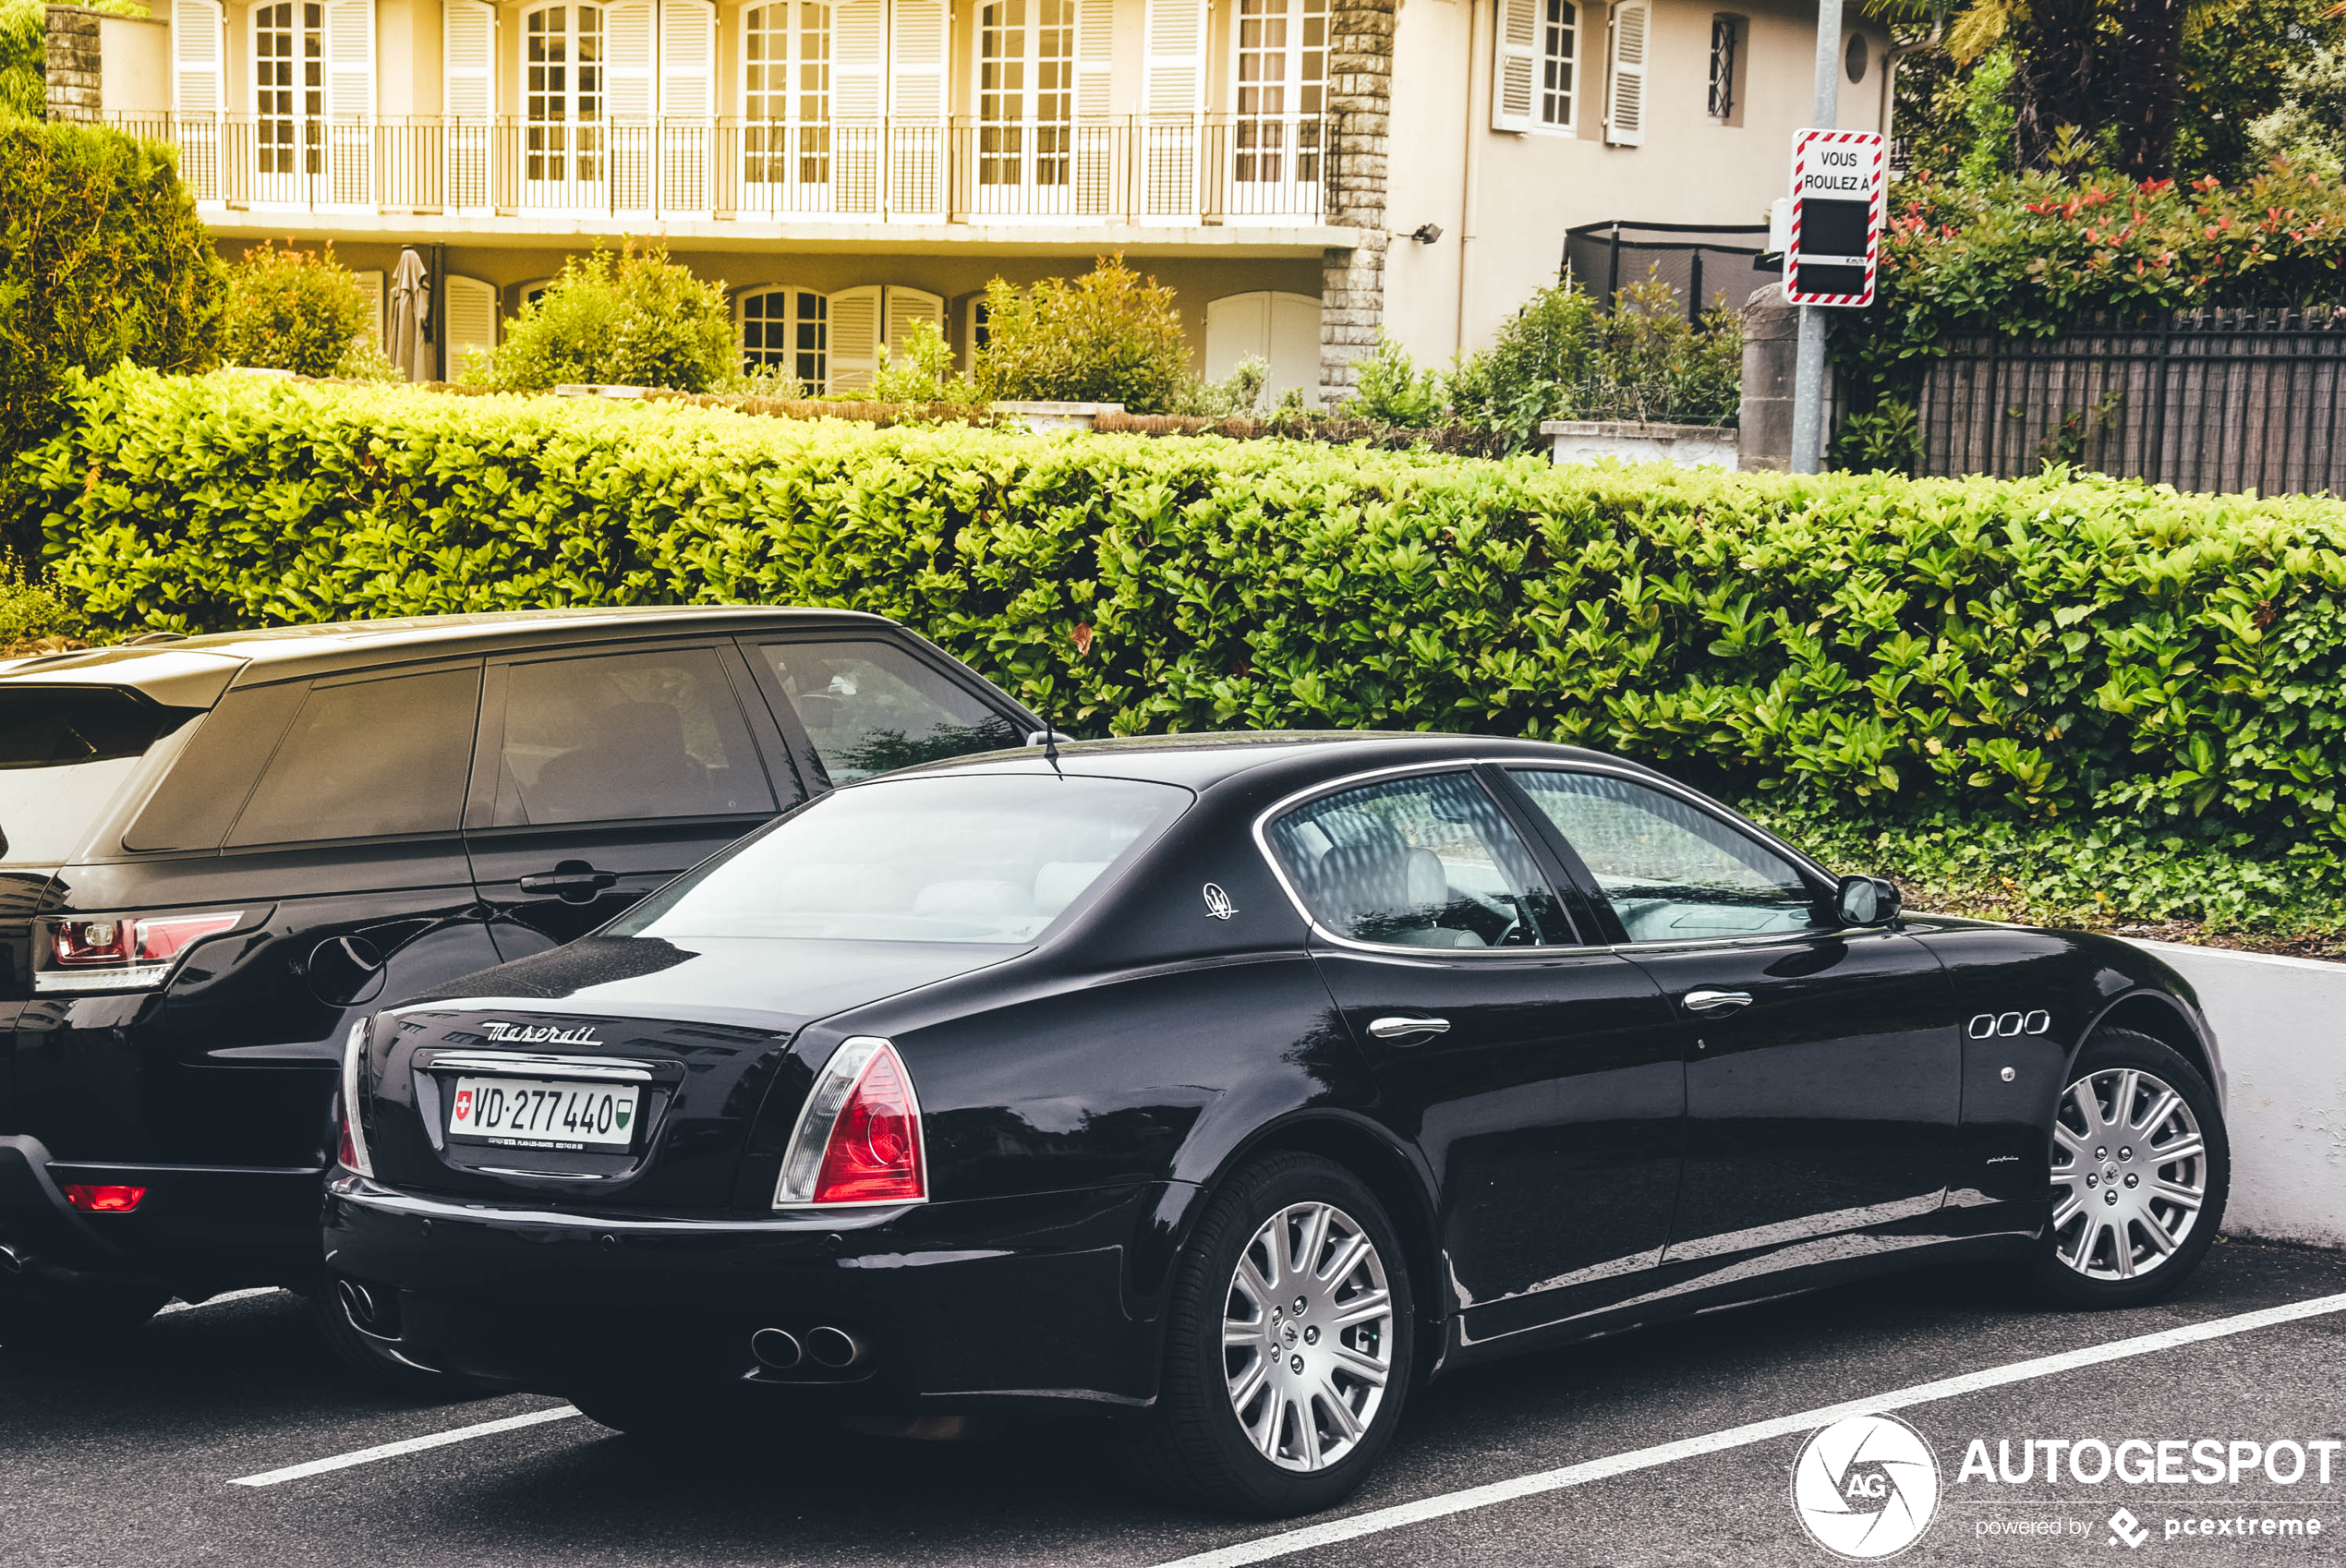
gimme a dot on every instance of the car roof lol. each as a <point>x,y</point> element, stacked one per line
<point>194,670</point>
<point>1298,757</point>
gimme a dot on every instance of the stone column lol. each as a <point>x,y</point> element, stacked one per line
<point>72,66</point>
<point>1770,345</point>
<point>1359,105</point>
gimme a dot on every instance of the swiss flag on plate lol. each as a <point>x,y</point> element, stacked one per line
<point>464,1104</point>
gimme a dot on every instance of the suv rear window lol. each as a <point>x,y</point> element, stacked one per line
<point>63,756</point>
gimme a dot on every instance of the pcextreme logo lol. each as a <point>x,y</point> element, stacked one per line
<point>1866,1486</point>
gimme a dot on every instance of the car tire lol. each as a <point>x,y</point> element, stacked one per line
<point>1249,1427</point>
<point>2126,1226</point>
<point>37,1315</point>
<point>375,1363</point>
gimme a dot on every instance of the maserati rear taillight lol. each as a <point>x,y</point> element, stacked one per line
<point>123,952</point>
<point>858,1140</point>
<point>352,1155</point>
<point>106,1199</point>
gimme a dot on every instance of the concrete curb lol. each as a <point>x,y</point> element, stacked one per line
<point>2280,1023</point>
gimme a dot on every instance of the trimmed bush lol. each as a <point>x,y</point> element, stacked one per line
<point>2050,650</point>
<point>298,310</point>
<point>24,58</point>
<point>103,259</point>
<point>1109,336</point>
<point>627,317</point>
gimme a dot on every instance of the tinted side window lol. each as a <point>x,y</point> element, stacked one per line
<point>614,737</point>
<point>1419,863</point>
<point>64,756</point>
<point>368,759</point>
<point>871,706</point>
<point>1672,873</point>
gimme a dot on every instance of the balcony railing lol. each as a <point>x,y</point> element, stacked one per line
<point>1136,168</point>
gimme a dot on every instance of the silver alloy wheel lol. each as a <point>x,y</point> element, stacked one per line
<point>2130,1173</point>
<point>1307,1336</point>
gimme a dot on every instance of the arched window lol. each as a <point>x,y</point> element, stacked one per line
<point>787,329</point>
<point>562,87</point>
<point>289,88</point>
<point>786,92</point>
<point>1025,92</point>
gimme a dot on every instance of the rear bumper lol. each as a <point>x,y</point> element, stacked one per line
<point>200,1227</point>
<point>984,1303</point>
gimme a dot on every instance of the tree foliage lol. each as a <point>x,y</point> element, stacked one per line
<point>298,310</point>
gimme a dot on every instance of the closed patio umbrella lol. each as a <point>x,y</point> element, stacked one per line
<point>410,332</point>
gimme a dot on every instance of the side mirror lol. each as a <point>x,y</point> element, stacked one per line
<point>1867,901</point>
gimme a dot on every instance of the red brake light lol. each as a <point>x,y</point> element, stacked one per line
<point>85,944</point>
<point>104,1200</point>
<point>349,1153</point>
<point>874,1155</point>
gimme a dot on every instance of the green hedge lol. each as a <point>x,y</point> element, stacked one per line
<point>102,260</point>
<point>2049,649</point>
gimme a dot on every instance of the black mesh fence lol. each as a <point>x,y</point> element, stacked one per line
<point>1703,263</point>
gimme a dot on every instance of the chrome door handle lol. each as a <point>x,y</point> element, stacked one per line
<point>1400,1029</point>
<point>1716,1001</point>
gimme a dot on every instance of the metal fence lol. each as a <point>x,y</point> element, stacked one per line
<point>2219,399</point>
<point>1138,168</point>
<point>1701,262</point>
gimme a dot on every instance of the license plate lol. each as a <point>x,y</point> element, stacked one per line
<point>531,1112</point>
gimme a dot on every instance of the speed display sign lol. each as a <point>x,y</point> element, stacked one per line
<point>1838,182</point>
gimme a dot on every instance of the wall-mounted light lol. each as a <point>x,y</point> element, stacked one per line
<point>1426,233</point>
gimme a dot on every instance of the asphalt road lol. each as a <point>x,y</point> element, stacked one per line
<point>134,1457</point>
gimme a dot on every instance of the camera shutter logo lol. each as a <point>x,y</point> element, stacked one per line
<point>1866,1487</point>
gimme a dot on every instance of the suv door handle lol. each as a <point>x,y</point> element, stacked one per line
<point>1401,1029</point>
<point>1716,1001</point>
<point>575,881</point>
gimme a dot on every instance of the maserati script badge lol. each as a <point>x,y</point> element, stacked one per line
<point>1217,903</point>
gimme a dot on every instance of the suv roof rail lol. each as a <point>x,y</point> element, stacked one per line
<point>143,638</point>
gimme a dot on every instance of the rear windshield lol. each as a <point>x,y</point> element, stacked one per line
<point>985,858</point>
<point>63,756</point>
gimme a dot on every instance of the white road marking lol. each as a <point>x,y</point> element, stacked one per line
<point>409,1445</point>
<point>1404,1514</point>
<point>216,1300</point>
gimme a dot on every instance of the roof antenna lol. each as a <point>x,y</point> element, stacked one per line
<point>1082,641</point>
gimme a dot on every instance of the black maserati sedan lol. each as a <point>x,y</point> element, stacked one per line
<point>1229,1087</point>
<point>216,853</point>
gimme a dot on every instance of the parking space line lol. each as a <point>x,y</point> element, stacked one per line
<point>407,1445</point>
<point>1404,1514</point>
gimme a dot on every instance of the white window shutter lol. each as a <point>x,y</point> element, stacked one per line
<point>469,317</point>
<point>1094,137</point>
<point>1515,72</point>
<point>372,285</point>
<point>859,99</point>
<point>198,39</point>
<point>350,100</point>
<point>468,98</point>
<point>907,307</point>
<point>687,102</point>
<point>916,107</point>
<point>1172,93</point>
<point>630,101</point>
<point>1625,117</point>
<point>855,337</point>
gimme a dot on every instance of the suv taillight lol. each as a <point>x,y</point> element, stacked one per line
<point>858,1140</point>
<point>123,952</point>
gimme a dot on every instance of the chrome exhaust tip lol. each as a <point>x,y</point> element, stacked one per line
<point>778,1348</point>
<point>835,1348</point>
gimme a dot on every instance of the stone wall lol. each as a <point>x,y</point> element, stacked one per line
<point>1359,105</point>
<point>73,64</point>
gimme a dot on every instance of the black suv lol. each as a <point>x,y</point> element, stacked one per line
<point>220,851</point>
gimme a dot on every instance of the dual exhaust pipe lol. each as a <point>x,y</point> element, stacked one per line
<point>781,1350</point>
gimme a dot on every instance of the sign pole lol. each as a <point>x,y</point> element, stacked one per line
<point>1808,369</point>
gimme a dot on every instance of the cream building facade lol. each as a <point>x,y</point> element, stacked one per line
<point>849,167</point>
